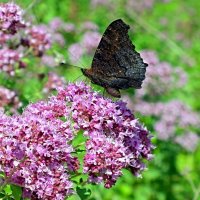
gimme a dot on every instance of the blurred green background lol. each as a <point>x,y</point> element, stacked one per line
<point>171,29</point>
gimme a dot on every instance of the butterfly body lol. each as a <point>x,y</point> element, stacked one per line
<point>116,65</point>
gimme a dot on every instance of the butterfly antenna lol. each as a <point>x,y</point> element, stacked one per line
<point>63,62</point>
<point>59,58</point>
<point>78,77</point>
<point>71,54</point>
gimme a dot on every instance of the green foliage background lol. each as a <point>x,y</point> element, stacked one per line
<point>174,174</point>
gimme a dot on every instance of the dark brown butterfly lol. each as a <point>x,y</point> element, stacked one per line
<point>116,65</point>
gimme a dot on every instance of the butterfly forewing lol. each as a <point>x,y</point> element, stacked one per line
<point>104,61</point>
<point>116,64</point>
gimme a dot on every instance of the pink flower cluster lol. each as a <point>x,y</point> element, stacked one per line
<point>188,141</point>
<point>102,3</point>
<point>58,24</point>
<point>49,61</point>
<point>11,18</point>
<point>89,26</point>
<point>58,28</point>
<point>111,127</point>
<point>105,159</point>
<point>88,43</point>
<point>181,116</point>
<point>139,6</point>
<point>75,52</point>
<point>161,77</point>
<point>35,151</point>
<point>35,148</point>
<point>11,22</point>
<point>54,81</point>
<point>9,59</point>
<point>142,5</point>
<point>10,99</point>
<point>38,39</point>
<point>4,37</point>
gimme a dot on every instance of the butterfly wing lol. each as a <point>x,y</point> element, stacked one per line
<point>116,63</point>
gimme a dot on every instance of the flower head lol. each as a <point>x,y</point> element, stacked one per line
<point>75,52</point>
<point>139,6</point>
<point>36,150</point>
<point>188,141</point>
<point>90,41</point>
<point>54,81</point>
<point>161,76</point>
<point>11,18</point>
<point>58,24</point>
<point>9,98</point>
<point>9,59</point>
<point>89,26</point>
<point>4,37</point>
<point>38,38</point>
<point>110,127</point>
<point>105,159</point>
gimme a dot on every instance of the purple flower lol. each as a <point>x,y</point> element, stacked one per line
<point>58,38</point>
<point>38,38</point>
<point>9,59</point>
<point>9,98</point>
<point>139,6</point>
<point>171,117</point>
<point>48,61</point>
<point>4,38</point>
<point>58,24</point>
<point>161,76</point>
<point>105,159</point>
<point>75,52</point>
<point>95,3</point>
<point>87,45</point>
<point>111,123</point>
<point>11,18</point>
<point>54,81</point>
<point>90,41</point>
<point>68,27</point>
<point>89,26</point>
<point>36,150</point>
<point>188,141</point>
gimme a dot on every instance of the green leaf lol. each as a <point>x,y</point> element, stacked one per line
<point>83,193</point>
<point>7,189</point>
<point>78,140</point>
<point>16,192</point>
<point>2,174</point>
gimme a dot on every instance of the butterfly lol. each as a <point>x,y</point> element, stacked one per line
<point>116,64</point>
